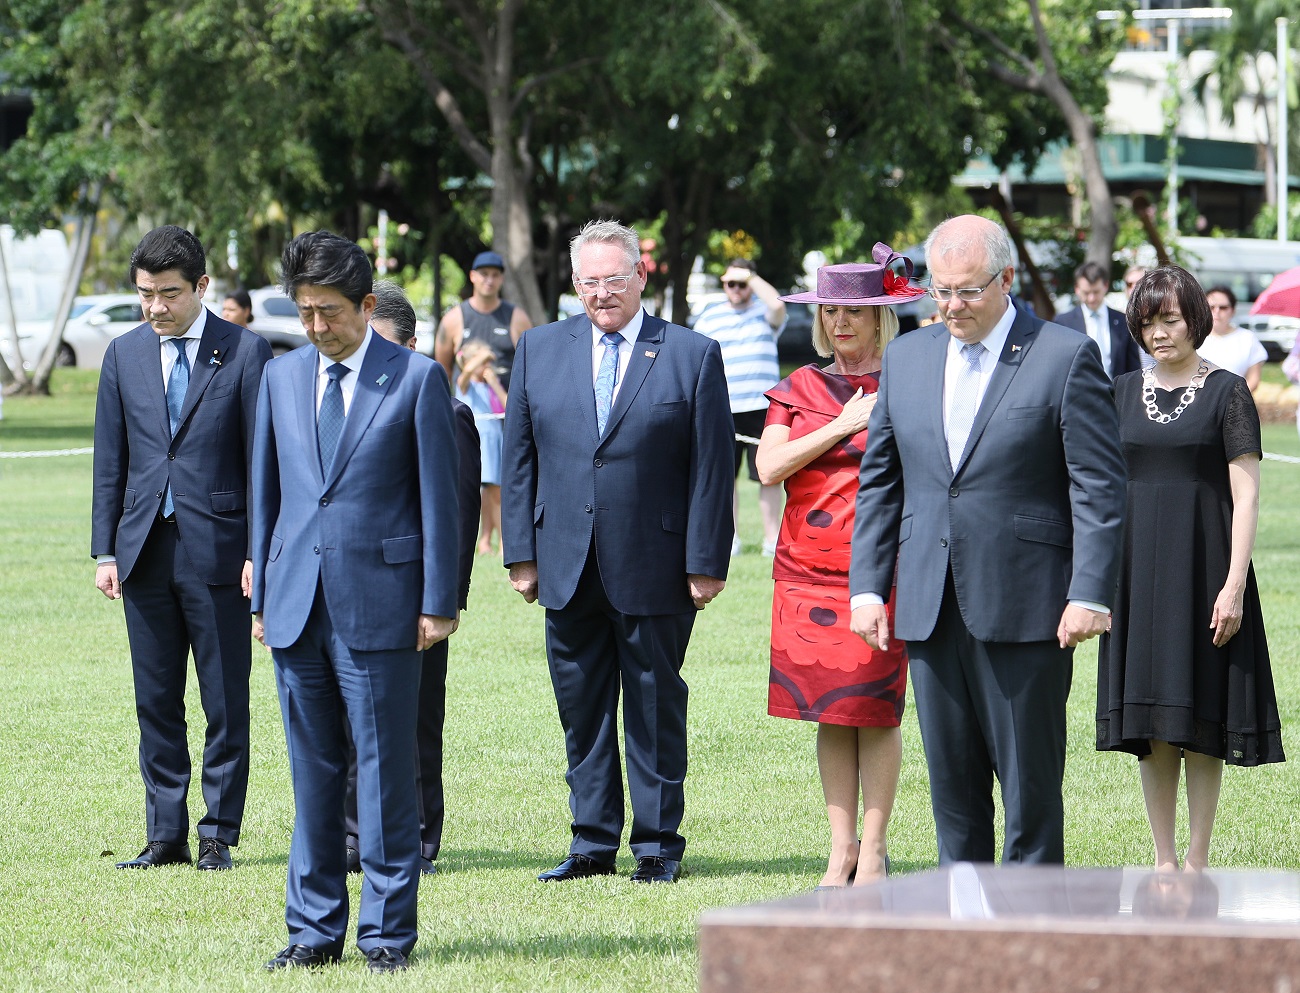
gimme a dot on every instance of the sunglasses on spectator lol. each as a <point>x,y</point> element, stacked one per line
<point>733,284</point>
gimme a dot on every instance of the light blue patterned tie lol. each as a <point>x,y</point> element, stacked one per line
<point>961,413</point>
<point>177,385</point>
<point>607,378</point>
<point>329,424</point>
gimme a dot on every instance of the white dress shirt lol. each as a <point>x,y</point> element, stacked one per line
<point>629,333</point>
<point>1098,322</point>
<point>348,384</point>
<point>191,338</point>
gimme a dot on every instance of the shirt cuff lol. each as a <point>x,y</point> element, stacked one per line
<point>1101,608</point>
<point>104,560</point>
<point>865,600</point>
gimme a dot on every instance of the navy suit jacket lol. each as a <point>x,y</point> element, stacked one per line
<point>654,492</point>
<point>468,496</point>
<point>380,532</point>
<point>1125,356</point>
<point>1032,517</point>
<point>206,462</point>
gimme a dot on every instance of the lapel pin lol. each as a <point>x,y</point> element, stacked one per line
<point>216,357</point>
<point>649,354</point>
<point>1015,348</point>
<point>382,380</point>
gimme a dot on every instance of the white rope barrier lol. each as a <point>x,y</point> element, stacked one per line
<point>46,455</point>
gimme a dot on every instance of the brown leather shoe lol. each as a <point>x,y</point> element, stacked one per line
<point>158,853</point>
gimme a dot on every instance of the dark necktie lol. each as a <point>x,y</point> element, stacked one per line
<point>177,384</point>
<point>329,424</point>
<point>606,378</point>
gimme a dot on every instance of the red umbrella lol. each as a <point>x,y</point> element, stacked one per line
<point>1282,296</point>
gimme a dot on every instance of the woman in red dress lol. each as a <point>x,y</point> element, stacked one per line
<point>821,671</point>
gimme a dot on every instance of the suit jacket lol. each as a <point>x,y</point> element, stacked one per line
<point>1031,518</point>
<point>206,463</point>
<point>380,532</point>
<point>654,492</point>
<point>1125,356</point>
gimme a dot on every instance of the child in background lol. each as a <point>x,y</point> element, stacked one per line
<point>478,386</point>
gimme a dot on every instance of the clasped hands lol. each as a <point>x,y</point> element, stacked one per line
<point>1078,624</point>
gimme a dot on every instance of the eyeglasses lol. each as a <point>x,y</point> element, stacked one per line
<point>735,284</point>
<point>612,284</point>
<point>967,294</point>
<point>1221,306</point>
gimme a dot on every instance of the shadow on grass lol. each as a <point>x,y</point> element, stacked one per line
<point>557,946</point>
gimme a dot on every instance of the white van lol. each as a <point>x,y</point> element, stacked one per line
<point>1246,266</point>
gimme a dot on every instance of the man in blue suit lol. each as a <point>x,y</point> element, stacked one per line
<point>1108,328</point>
<point>354,576</point>
<point>993,482</point>
<point>616,515</point>
<point>169,532</point>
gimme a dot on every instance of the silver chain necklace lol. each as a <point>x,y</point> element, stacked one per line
<point>1189,394</point>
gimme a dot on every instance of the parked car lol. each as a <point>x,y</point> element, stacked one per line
<point>93,322</point>
<point>275,318</point>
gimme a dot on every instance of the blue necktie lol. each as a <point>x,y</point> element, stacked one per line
<point>961,413</point>
<point>607,378</point>
<point>329,424</point>
<point>177,384</point>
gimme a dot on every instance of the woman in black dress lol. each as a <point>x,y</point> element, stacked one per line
<point>1183,675</point>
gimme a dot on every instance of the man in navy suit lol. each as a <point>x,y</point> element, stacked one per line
<point>616,514</point>
<point>1108,328</point>
<point>993,482</point>
<point>394,319</point>
<point>354,576</point>
<point>169,532</point>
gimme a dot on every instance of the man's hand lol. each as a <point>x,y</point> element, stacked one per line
<point>703,588</point>
<point>434,629</point>
<point>246,579</point>
<point>259,632</point>
<point>870,623</point>
<point>523,577</point>
<point>106,580</point>
<point>1078,624</point>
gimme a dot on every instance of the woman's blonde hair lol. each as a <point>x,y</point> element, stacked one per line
<point>886,330</point>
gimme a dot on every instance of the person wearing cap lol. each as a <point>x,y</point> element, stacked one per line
<point>993,488</point>
<point>746,326</point>
<point>813,442</point>
<point>485,317</point>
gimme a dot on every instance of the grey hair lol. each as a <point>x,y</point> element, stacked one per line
<point>606,232</point>
<point>886,330</point>
<point>948,239</point>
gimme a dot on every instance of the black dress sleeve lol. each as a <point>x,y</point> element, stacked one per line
<point>1241,434</point>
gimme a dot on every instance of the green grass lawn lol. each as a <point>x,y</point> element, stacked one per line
<point>71,799</point>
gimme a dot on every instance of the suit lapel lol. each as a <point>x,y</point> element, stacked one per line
<point>378,373</point>
<point>146,359</point>
<point>644,351</point>
<point>1013,351</point>
<point>583,388</point>
<point>933,388</point>
<point>303,384</point>
<point>214,343</point>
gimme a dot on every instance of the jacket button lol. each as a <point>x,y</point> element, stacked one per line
<point>171,456</point>
<point>587,508</point>
<point>324,501</point>
<point>943,542</point>
<point>316,549</point>
<point>159,493</point>
<point>953,492</point>
<point>599,463</point>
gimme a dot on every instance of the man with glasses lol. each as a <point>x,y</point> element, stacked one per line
<point>616,511</point>
<point>1108,328</point>
<point>746,326</point>
<point>993,486</point>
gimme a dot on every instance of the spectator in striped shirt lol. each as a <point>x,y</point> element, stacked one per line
<point>746,327</point>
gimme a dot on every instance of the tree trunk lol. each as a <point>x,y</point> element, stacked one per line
<point>16,377</point>
<point>81,252</point>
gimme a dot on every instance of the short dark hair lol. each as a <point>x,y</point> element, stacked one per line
<point>1227,292</point>
<point>1152,295</point>
<point>170,247</point>
<point>1092,272</point>
<point>391,304</point>
<point>322,258</point>
<point>241,298</point>
<point>742,264</point>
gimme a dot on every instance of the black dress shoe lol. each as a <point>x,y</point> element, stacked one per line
<point>301,957</point>
<point>386,960</point>
<point>158,853</point>
<point>576,867</point>
<point>354,860</point>
<point>428,867</point>
<point>214,855</point>
<point>653,869</point>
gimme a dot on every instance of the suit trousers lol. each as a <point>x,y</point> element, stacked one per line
<point>169,611</point>
<point>592,650</point>
<point>986,709</point>
<point>428,756</point>
<point>324,685</point>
